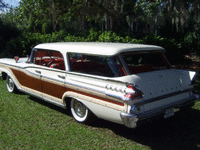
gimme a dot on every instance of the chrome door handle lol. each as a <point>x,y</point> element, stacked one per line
<point>63,77</point>
<point>37,71</point>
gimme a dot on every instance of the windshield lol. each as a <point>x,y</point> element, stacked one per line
<point>145,62</point>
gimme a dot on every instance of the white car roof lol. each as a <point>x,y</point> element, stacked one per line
<point>97,47</point>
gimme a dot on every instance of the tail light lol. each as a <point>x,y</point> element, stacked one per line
<point>133,92</point>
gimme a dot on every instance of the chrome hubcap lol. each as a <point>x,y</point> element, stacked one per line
<point>10,84</point>
<point>79,109</point>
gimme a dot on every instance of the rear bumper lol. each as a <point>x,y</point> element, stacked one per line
<point>130,120</point>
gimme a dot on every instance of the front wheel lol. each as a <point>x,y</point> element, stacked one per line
<point>10,85</point>
<point>80,112</point>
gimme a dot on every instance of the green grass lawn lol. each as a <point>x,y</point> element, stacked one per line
<point>28,123</point>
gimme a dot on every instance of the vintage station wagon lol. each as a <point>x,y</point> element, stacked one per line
<point>122,83</point>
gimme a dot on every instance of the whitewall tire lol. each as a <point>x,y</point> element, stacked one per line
<point>10,85</point>
<point>79,111</point>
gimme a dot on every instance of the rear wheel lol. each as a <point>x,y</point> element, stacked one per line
<point>10,85</point>
<point>80,112</point>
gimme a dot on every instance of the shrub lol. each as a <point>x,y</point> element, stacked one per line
<point>23,44</point>
<point>109,36</point>
<point>191,43</point>
<point>93,35</point>
<point>73,38</point>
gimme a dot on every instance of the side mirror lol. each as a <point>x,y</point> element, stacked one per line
<point>16,58</point>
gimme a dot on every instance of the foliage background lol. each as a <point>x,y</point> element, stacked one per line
<point>173,24</point>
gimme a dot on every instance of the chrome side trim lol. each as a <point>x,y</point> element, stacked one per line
<point>102,90</point>
<point>36,74</point>
<point>78,84</point>
<point>42,76</point>
<point>44,99</point>
<point>10,65</point>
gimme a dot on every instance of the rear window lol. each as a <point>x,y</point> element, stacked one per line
<point>145,62</point>
<point>95,65</point>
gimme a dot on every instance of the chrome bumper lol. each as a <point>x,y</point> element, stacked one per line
<point>130,120</point>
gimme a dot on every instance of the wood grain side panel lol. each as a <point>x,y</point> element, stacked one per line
<point>28,81</point>
<point>56,90</point>
<point>53,89</point>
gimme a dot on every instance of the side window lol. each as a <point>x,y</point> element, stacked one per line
<point>48,58</point>
<point>95,65</point>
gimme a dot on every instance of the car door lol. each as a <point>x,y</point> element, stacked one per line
<point>31,79</point>
<point>31,74</point>
<point>53,76</point>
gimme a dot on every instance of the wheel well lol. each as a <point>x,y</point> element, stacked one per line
<point>4,75</point>
<point>67,101</point>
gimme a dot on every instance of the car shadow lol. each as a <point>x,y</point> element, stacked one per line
<point>51,106</point>
<point>181,131</point>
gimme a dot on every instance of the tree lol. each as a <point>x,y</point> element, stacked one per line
<point>7,29</point>
<point>3,5</point>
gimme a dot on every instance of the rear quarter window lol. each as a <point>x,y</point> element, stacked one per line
<point>145,62</point>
